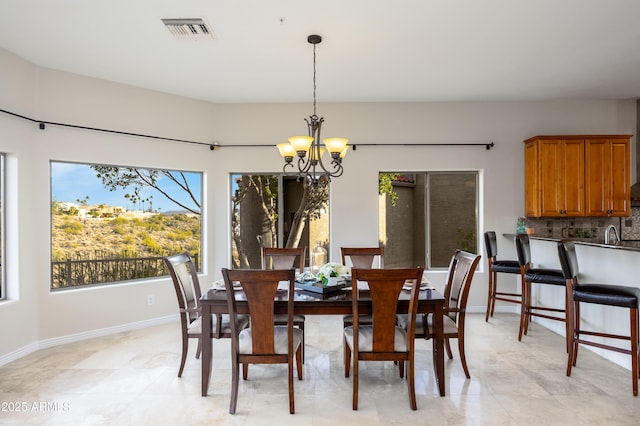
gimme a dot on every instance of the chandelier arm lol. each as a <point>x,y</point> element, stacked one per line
<point>304,164</point>
<point>284,168</point>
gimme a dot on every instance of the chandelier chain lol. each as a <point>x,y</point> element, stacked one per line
<point>314,79</point>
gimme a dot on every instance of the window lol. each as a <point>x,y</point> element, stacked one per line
<point>3,291</point>
<point>426,216</point>
<point>112,224</point>
<point>275,211</point>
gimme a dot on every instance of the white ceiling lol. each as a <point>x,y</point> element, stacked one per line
<point>372,50</point>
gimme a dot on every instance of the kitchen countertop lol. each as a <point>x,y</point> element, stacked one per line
<point>622,245</point>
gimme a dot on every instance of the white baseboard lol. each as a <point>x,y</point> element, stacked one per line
<point>71,338</point>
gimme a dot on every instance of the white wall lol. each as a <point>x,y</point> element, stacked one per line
<point>61,97</point>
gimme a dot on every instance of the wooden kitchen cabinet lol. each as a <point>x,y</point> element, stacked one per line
<point>607,190</point>
<point>554,177</point>
<point>577,175</point>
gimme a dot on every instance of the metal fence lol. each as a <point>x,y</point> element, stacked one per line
<point>77,273</point>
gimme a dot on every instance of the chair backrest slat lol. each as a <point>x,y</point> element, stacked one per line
<point>491,244</point>
<point>283,257</point>
<point>459,278</point>
<point>385,286</point>
<point>185,281</point>
<point>362,257</point>
<point>523,248</point>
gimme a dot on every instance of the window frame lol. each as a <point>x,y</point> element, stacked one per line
<point>3,258</point>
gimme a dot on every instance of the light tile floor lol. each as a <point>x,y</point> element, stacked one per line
<point>130,379</point>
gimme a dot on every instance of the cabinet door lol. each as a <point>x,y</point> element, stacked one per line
<point>531,176</point>
<point>561,177</point>
<point>620,178</point>
<point>608,176</point>
<point>573,177</point>
<point>597,169</point>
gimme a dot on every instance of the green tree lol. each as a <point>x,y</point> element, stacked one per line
<point>314,199</point>
<point>129,177</point>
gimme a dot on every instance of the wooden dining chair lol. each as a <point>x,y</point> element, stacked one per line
<point>364,258</point>
<point>456,293</point>
<point>185,282</point>
<point>262,342</point>
<point>383,339</point>
<point>285,258</point>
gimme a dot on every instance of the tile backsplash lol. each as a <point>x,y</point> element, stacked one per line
<point>630,226</point>
<point>588,228</point>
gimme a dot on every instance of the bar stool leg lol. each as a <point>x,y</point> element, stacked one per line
<point>523,307</point>
<point>634,348</point>
<point>490,293</point>
<point>571,336</point>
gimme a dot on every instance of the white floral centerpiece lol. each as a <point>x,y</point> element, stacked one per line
<point>329,273</point>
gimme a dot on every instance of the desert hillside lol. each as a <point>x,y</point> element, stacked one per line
<point>157,235</point>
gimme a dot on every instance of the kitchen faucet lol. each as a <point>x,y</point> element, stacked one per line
<point>615,234</point>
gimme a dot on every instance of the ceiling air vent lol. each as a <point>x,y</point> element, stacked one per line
<point>188,28</point>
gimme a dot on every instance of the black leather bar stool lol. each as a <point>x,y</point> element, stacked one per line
<point>494,266</point>
<point>600,294</point>
<point>546,276</point>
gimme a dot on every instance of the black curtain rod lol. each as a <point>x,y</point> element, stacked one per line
<point>212,146</point>
<point>42,124</point>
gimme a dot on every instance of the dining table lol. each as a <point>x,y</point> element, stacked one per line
<point>338,302</point>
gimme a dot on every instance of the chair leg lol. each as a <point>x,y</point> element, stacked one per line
<point>527,318</point>
<point>292,408</point>
<point>633,314</point>
<point>494,290</point>
<point>571,327</point>
<point>490,294</point>
<point>235,372</point>
<point>347,357</point>
<point>401,368</point>
<point>523,308</point>
<point>199,348</point>
<point>185,349</point>
<point>300,360</point>
<point>355,380</point>
<point>567,327</point>
<point>447,347</point>
<point>245,371</point>
<point>411,382</point>
<point>301,326</point>
<point>576,332</point>
<point>463,357</point>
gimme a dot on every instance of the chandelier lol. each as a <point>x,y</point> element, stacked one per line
<point>311,168</point>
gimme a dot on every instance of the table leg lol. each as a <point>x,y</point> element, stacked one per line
<point>438,349</point>
<point>205,342</point>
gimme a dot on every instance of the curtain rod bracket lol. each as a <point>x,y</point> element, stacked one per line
<point>489,146</point>
<point>41,125</point>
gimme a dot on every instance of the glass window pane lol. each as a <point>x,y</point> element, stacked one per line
<point>275,211</point>
<point>452,215</point>
<point>426,216</point>
<point>111,224</point>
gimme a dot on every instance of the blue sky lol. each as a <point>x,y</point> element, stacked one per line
<point>73,181</point>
